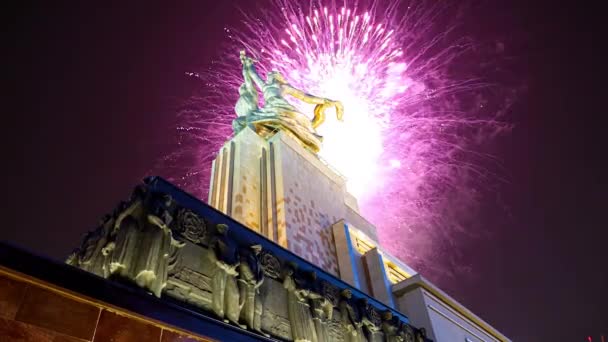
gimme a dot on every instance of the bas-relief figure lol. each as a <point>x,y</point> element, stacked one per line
<point>406,333</point>
<point>251,277</point>
<point>300,314</point>
<point>322,308</point>
<point>371,321</point>
<point>131,245</point>
<point>390,327</point>
<point>223,253</point>
<point>277,113</point>
<point>153,243</point>
<point>351,318</point>
<point>421,335</point>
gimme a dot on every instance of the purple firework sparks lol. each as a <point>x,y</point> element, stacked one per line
<point>405,143</point>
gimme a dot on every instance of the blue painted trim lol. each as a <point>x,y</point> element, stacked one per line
<point>387,283</point>
<point>353,257</point>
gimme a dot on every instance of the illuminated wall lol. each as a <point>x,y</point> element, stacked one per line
<point>284,192</point>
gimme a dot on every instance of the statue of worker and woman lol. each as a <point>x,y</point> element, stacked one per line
<point>277,113</point>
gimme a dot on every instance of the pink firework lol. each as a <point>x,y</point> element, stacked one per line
<point>407,143</point>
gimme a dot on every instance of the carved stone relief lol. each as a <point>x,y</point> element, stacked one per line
<point>152,242</point>
<point>191,226</point>
<point>270,265</point>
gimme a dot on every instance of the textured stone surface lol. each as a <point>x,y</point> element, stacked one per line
<point>11,295</point>
<point>118,328</point>
<point>58,313</point>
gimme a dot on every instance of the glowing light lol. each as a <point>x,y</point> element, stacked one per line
<point>338,58</point>
<point>405,138</point>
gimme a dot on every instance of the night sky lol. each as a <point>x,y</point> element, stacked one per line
<point>91,94</point>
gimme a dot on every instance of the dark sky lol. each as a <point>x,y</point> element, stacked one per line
<point>90,92</point>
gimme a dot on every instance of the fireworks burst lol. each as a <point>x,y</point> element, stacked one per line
<point>407,142</point>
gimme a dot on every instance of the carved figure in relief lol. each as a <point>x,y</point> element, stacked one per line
<point>390,327</point>
<point>406,333</point>
<point>300,315</point>
<point>351,318</point>
<point>223,253</point>
<point>251,277</point>
<point>90,256</point>
<point>421,335</point>
<point>322,308</point>
<point>371,321</point>
<point>143,243</point>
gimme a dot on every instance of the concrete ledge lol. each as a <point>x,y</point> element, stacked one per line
<point>417,281</point>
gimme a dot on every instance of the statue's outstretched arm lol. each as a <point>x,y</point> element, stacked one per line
<point>249,72</point>
<point>298,94</point>
<point>321,104</point>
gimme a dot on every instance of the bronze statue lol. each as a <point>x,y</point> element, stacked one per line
<point>247,102</point>
<point>278,113</point>
<point>300,316</point>
<point>225,298</point>
<point>250,280</point>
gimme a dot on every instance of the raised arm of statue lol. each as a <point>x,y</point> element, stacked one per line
<point>249,71</point>
<point>249,82</point>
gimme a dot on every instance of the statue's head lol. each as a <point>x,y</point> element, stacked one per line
<point>256,249</point>
<point>387,315</point>
<point>291,268</point>
<point>275,76</point>
<point>168,200</point>
<point>222,229</point>
<point>346,293</point>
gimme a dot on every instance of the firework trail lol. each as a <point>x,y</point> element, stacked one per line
<point>407,145</point>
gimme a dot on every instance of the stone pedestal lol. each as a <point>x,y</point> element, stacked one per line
<point>283,191</point>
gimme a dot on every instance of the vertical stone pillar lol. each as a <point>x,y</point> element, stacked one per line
<point>377,280</point>
<point>347,258</point>
<point>236,181</point>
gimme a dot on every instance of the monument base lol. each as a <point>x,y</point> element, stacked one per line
<point>283,191</point>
